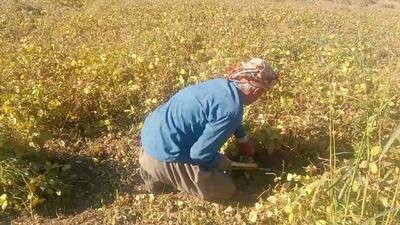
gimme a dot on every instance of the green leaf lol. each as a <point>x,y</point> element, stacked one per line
<point>288,209</point>
<point>4,205</point>
<point>376,150</point>
<point>321,222</point>
<point>291,217</point>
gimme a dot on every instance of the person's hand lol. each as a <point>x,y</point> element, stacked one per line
<point>225,163</point>
<point>247,148</point>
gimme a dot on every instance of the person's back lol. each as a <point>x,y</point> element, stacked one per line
<point>172,131</point>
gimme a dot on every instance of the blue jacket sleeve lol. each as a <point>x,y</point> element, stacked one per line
<point>240,131</point>
<point>205,150</point>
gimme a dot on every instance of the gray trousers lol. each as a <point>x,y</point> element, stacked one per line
<point>207,184</point>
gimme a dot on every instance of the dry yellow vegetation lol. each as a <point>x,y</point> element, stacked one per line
<point>77,78</point>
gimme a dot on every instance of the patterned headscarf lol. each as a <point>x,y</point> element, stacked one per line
<point>254,73</point>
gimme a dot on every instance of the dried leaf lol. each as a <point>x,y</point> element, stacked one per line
<point>253,216</point>
<point>373,168</point>
<point>376,150</point>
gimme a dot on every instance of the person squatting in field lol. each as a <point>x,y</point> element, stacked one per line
<point>181,139</point>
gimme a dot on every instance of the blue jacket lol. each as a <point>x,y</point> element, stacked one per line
<point>193,125</point>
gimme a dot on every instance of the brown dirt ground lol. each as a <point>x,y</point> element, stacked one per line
<point>103,167</point>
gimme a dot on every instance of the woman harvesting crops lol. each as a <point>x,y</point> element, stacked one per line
<point>181,138</point>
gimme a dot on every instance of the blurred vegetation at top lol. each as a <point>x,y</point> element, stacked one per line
<point>73,69</point>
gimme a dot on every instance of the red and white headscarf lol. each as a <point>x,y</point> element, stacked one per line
<point>256,73</point>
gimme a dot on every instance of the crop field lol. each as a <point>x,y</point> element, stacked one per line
<point>78,77</point>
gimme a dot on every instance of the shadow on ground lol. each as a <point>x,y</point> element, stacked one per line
<point>91,184</point>
<point>281,154</point>
<point>88,173</point>
<point>105,169</point>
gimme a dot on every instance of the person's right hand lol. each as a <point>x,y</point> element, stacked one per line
<point>247,148</point>
<point>224,164</point>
